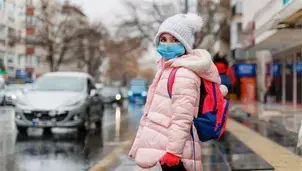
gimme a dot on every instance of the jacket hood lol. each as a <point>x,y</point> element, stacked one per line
<point>200,62</point>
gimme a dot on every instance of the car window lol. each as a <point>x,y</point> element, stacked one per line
<point>60,83</point>
<point>109,91</point>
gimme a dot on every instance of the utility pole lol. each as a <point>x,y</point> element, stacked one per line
<point>186,6</point>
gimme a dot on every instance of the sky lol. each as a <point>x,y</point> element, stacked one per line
<point>97,10</point>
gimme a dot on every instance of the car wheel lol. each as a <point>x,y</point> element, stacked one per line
<point>22,130</point>
<point>86,124</point>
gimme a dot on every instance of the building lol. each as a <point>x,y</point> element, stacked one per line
<point>275,36</point>
<point>21,54</point>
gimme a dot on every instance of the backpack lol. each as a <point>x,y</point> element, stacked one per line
<point>210,122</point>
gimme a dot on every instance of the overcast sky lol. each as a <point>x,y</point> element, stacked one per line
<point>100,9</point>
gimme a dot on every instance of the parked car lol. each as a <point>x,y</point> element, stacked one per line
<point>59,99</point>
<point>111,95</point>
<point>11,92</point>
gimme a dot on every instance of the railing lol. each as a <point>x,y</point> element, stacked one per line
<point>263,15</point>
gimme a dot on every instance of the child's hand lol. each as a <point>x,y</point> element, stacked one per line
<point>170,160</point>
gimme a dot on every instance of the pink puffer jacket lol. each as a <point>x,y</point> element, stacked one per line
<point>165,125</point>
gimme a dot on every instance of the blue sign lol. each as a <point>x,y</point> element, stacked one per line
<point>277,68</point>
<point>245,70</point>
<point>299,68</point>
<point>21,73</point>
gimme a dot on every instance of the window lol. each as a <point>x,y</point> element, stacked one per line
<point>1,4</point>
<point>239,30</point>
<point>38,60</point>
<point>60,83</point>
<point>28,60</point>
<point>10,58</point>
<point>11,11</point>
<point>2,32</point>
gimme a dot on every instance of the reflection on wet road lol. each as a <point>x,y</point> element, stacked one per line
<point>65,149</point>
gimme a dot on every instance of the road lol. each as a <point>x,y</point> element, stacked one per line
<point>64,149</point>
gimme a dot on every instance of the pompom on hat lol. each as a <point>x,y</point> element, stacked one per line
<point>183,27</point>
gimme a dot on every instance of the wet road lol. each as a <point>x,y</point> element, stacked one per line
<point>65,149</point>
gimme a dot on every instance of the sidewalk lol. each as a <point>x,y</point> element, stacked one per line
<point>280,115</point>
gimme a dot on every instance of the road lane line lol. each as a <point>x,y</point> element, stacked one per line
<point>108,160</point>
<point>277,156</point>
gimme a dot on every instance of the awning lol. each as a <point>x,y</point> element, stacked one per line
<point>277,40</point>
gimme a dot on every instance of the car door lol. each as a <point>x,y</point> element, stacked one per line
<point>94,102</point>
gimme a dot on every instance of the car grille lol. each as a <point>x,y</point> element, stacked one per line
<point>44,116</point>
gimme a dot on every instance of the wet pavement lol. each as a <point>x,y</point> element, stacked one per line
<point>281,128</point>
<point>65,149</point>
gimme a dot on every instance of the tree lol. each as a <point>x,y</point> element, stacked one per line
<point>145,17</point>
<point>94,38</point>
<point>57,32</point>
<point>124,59</point>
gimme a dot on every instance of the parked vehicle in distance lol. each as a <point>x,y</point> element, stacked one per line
<point>11,92</point>
<point>111,94</point>
<point>137,91</point>
<point>59,99</point>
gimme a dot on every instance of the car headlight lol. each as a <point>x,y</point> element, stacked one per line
<point>14,97</point>
<point>118,97</point>
<point>130,93</point>
<point>144,93</point>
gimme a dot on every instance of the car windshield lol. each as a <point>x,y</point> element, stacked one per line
<point>12,87</point>
<point>109,91</point>
<point>60,83</point>
<point>138,87</point>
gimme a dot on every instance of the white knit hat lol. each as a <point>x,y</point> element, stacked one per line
<point>183,27</point>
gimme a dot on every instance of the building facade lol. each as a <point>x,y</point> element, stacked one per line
<point>276,39</point>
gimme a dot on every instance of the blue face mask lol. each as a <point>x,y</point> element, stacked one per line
<point>171,50</point>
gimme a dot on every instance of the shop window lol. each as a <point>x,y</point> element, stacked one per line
<point>28,60</point>
<point>10,58</point>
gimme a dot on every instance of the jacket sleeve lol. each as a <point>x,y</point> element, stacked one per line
<point>184,99</point>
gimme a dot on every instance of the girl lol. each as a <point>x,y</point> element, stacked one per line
<point>164,132</point>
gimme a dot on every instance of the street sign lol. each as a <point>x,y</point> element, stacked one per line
<point>21,73</point>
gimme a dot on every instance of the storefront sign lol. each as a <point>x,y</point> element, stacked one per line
<point>277,68</point>
<point>21,73</point>
<point>299,68</point>
<point>245,70</point>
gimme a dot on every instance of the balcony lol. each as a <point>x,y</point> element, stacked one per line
<point>274,13</point>
<point>237,9</point>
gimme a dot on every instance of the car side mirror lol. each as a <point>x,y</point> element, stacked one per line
<point>92,93</point>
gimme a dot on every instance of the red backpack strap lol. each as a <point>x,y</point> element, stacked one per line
<point>171,80</point>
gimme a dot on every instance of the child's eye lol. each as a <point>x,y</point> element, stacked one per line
<point>163,39</point>
<point>175,40</point>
